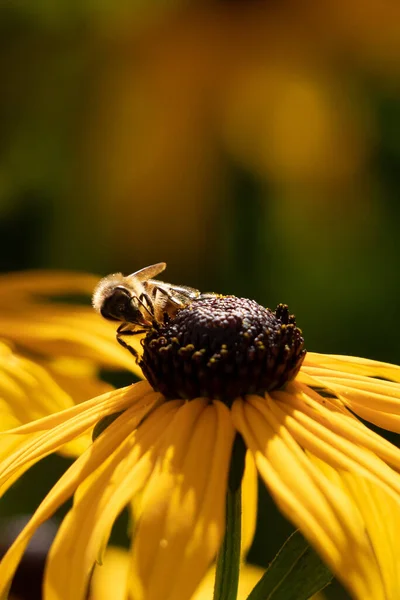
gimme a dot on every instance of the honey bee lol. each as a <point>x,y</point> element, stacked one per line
<point>139,301</point>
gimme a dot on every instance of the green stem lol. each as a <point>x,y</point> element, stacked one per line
<point>228,559</point>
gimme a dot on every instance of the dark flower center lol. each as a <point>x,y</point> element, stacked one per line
<point>223,347</point>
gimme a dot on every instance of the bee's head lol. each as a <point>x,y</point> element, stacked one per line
<point>115,301</point>
<point>117,306</point>
<point>111,298</point>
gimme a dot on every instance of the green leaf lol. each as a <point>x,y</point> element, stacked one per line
<point>296,573</point>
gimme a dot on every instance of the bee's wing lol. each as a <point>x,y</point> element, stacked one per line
<point>149,272</point>
<point>184,292</point>
<point>178,294</point>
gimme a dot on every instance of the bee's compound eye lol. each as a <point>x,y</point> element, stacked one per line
<point>117,306</point>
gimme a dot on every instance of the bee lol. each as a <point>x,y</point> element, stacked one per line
<point>139,302</point>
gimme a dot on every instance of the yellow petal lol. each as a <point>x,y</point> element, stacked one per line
<point>353,365</point>
<point>31,317</point>
<point>381,516</point>
<point>52,432</point>
<point>340,421</point>
<point>372,399</point>
<point>380,418</point>
<point>183,506</point>
<point>22,284</point>
<point>382,395</point>
<point>84,336</point>
<point>249,504</point>
<point>249,577</point>
<point>88,462</point>
<point>30,390</point>
<point>334,448</point>
<point>79,378</point>
<point>109,579</point>
<point>319,509</point>
<point>97,503</point>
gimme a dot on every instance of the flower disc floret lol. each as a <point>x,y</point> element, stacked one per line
<point>223,347</point>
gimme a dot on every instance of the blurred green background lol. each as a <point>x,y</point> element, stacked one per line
<point>253,146</point>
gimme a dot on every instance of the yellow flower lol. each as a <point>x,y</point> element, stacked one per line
<point>51,351</point>
<point>225,366</point>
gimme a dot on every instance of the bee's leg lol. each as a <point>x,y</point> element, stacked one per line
<point>123,343</point>
<point>138,305</point>
<point>145,298</point>
<point>128,332</point>
<point>167,307</point>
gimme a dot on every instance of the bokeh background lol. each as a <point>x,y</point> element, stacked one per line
<point>253,146</point>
